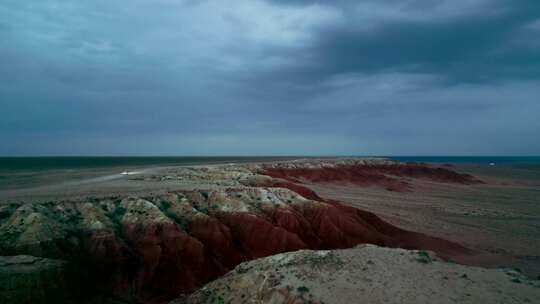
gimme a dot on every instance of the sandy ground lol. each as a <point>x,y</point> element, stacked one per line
<point>111,182</point>
<point>500,218</point>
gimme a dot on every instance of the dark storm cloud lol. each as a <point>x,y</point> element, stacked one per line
<point>487,44</point>
<point>269,77</point>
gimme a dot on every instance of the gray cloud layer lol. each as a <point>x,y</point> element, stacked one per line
<point>270,77</point>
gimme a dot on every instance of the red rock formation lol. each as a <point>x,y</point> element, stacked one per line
<point>258,237</point>
<point>218,240</point>
<point>388,176</point>
<point>295,222</point>
<point>360,176</point>
<point>416,170</point>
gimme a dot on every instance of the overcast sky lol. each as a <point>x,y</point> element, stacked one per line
<point>248,77</point>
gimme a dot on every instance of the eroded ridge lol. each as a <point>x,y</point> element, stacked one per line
<point>391,175</point>
<point>153,248</point>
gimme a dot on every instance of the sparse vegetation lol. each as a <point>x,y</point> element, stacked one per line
<point>119,211</point>
<point>165,204</point>
<point>183,223</point>
<point>5,213</point>
<point>302,289</point>
<point>197,207</point>
<point>204,194</point>
<point>72,219</point>
<point>92,199</point>
<point>211,296</point>
<point>424,257</point>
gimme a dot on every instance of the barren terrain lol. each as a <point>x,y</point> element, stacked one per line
<point>159,234</point>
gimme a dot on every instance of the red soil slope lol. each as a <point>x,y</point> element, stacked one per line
<point>337,225</point>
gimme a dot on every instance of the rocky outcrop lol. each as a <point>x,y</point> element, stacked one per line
<point>153,248</point>
<point>29,279</point>
<point>366,274</point>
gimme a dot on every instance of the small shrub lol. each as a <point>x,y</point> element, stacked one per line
<point>182,222</point>
<point>302,289</point>
<point>197,207</point>
<point>5,214</point>
<point>120,211</point>
<point>424,257</point>
<point>204,194</point>
<point>165,204</point>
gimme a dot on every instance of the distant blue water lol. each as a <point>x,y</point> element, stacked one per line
<point>474,160</point>
<point>17,164</point>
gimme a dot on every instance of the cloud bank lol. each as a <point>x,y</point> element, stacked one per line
<point>256,77</point>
